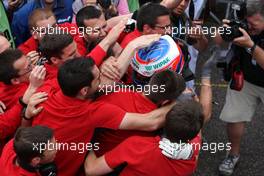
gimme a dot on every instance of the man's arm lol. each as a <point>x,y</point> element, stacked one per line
<point>106,43</point>
<point>171,4</point>
<point>145,122</point>
<point>206,90</point>
<point>96,166</point>
<point>246,42</point>
<point>115,69</point>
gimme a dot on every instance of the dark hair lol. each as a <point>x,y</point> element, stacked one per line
<point>172,83</point>
<point>52,44</point>
<point>184,121</point>
<point>75,74</point>
<point>108,8</point>
<point>87,13</point>
<point>149,13</point>
<point>26,140</point>
<point>142,2</point>
<point>7,60</point>
<point>255,7</point>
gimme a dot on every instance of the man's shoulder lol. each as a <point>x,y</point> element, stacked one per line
<point>25,10</point>
<point>129,37</point>
<point>8,152</point>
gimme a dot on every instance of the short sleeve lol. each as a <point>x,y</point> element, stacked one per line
<point>107,115</point>
<point>123,153</point>
<point>97,54</point>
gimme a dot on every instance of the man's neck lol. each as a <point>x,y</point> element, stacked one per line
<point>49,5</point>
<point>147,96</point>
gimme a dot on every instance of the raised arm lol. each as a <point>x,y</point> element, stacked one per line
<point>114,69</point>
<point>170,4</point>
<point>146,122</point>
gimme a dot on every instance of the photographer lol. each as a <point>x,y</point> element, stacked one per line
<point>240,105</point>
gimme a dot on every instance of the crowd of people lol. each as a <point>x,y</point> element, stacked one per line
<point>100,87</point>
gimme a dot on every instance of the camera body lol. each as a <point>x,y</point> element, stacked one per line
<point>233,31</point>
<point>130,26</point>
<point>237,17</point>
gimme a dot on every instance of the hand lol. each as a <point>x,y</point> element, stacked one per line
<point>33,57</point>
<point>2,107</point>
<point>187,94</point>
<point>13,4</point>
<point>171,4</point>
<point>145,40</point>
<point>115,32</point>
<point>159,114</point>
<point>244,41</point>
<point>110,69</point>
<point>226,22</point>
<point>196,30</point>
<point>176,151</point>
<point>37,76</point>
<point>33,102</point>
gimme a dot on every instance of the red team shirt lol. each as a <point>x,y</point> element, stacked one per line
<point>143,157</point>
<point>32,45</point>
<point>7,165</point>
<point>97,54</point>
<point>9,94</point>
<point>74,121</point>
<point>129,37</point>
<point>130,102</point>
<point>10,121</point>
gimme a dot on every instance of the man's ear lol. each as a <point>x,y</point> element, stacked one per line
<point>147,29</point>
<point>34,34</point>
<point>35,161</point>
<point>15,81</point>
<point>84,91</point>
<point>55,60</point>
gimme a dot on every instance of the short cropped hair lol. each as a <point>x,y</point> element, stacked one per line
<point>184,121</point>
<point>149,13</point>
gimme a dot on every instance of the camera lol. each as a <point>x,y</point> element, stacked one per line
<point>237,17</point>
<point>130,26</point>
<point>232,32</point>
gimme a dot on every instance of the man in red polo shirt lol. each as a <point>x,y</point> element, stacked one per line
<point>14,76</point>
<point>40,21</point>
<point>73,115</point>
<point>152,18</point>
<point>11,119</point>
<point>25,156</point>
<point>142,155</point>
<point>163,87</point>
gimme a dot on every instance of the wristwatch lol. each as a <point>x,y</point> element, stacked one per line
<point>21,102</point>
<point>251,50</point>
<point>23,114</point>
